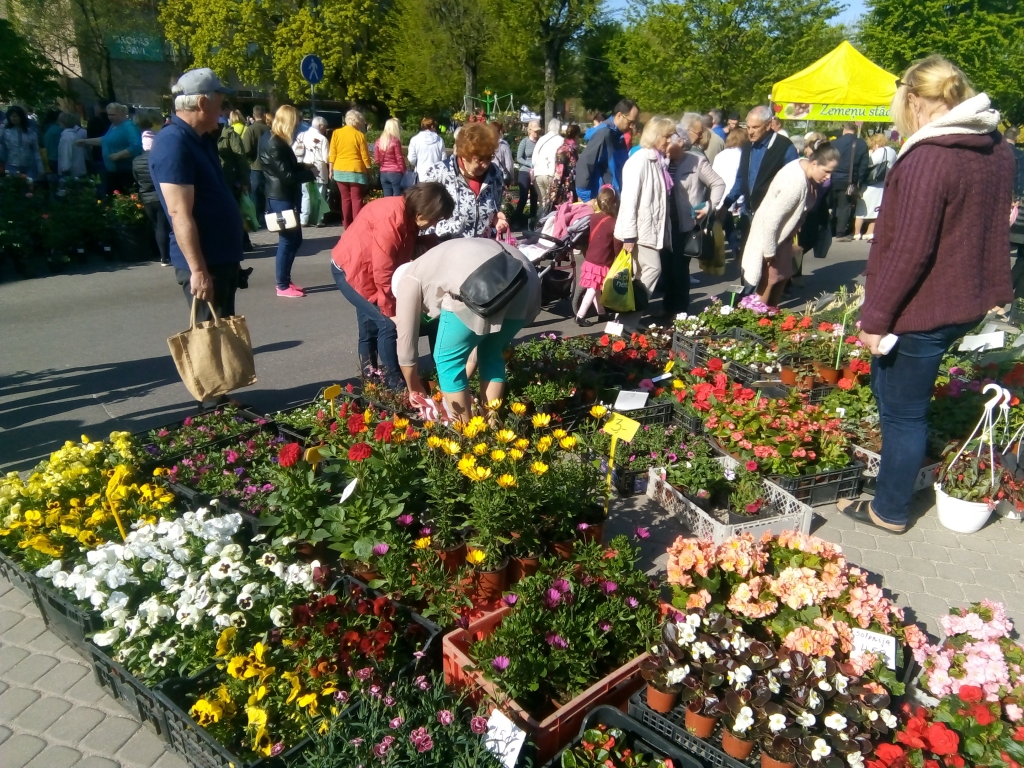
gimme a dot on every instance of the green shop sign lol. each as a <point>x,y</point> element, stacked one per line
<point>136,45</point>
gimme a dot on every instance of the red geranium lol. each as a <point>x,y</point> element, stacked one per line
<point>359,452</point>
<point>714,364</point>
<point>618,346</point>
<point>289,454</point>
<point>845,384</point>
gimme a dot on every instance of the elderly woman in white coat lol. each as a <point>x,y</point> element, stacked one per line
<point>768,254</point>
<point>643,221</point>
<point>697,192</point>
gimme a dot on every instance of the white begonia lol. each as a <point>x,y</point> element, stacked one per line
<point>740,676</point>
<point>744,720</point>
<point>740,641</point>
<point>835,721</point>
<point>818,667</point>
<point>693,620</point>
<point>888,718</point>
<point>821,750</point>
<point>855,759</point>
<point>806,719</point>
<point>279,615</point>
<point>813,699</point>
<point>786,666</point>
<point>841,681</point>
<point>872,715</point>
<point>823,685</point>
<point>776,722</point>
<point>676,675</point>
<point>702,649</point>
<point>686,634</point>
<point>773,683</point>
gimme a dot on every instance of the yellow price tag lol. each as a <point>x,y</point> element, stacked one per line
<point>621,427</point>
<point>313,456</point>
<point>330,393</point>
<point>669,365</point>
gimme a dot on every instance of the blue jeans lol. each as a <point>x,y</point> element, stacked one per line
<point>391,183</point>
<point>288,243</point>
<point>378,335</point>
<point>257,183</point>
<point>902,383</point>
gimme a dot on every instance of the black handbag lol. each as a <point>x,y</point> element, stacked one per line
<point>492,285</point>
<point>693,242</point>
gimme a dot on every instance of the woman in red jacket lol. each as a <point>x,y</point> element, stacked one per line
<point>938,263</point>
<point>381,239</point>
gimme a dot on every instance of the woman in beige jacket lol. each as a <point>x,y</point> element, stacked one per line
<point>770,241</point>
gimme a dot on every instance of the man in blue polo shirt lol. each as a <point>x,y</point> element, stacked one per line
<point>206,237</point>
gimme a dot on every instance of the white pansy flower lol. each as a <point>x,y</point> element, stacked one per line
<point>108,638</point>
<point>744,720</point>
<point>222,620</point>
<point>150,566</point>
<point>835,721</point>
<point>279,615</point>
<point>821,750</point>
<point>776,722</point>
<point>238,619</point>
<point>268,559</point>
<point>725,310</point>
<point>49,571</point>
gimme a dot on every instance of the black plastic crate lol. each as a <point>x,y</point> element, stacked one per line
<point>140,702</point>
<point>672,726</point>
<point>69,621</point>
<point>685,347</point>
<point>824,487</point>
<point>691,424</point>
<point>22,580</point>
<point>626,482</point>
<point>640,738</point>
<point>652,415</point>
<point>246,413</point>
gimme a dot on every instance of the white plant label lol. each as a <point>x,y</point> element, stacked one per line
<point>349,490</point>
<point>876,643</point>
<point>668,375</point>
<point>504,738</point>
<point>613,329</point>
<point>994,340</point>
<point>630,400</point>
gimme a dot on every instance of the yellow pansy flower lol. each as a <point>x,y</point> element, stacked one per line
<point>224,641</point>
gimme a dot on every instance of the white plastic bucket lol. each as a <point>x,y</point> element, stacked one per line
<point>959,515</point>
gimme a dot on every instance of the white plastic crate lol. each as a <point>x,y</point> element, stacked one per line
<point>925,478</point>
<point>793,515</point>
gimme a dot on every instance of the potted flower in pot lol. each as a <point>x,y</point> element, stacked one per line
<point>699,476</point>
<point>664,675</point>
<point>776,732</point>
<point>445,487</point>
<point>967,489</point>
<point>746,494</point>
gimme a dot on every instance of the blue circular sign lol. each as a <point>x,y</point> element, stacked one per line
<point>312,68</point>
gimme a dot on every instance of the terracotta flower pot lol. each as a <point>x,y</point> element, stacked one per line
<point>805,382</point>
<point>521,567</point>
<point>660,701</point>
<point>829,375</point>
<point>849,374</point>
<point>562,548</point>
<point>699,725</point>
<point>788,375</point>
<point>365,576</point>
<point>594,532</point>
<point>453,557</point>
<point>767,761</point>
<point>490,584</point>
<point>735,746</point>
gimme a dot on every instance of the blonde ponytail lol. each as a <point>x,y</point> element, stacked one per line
<point>934,78</point>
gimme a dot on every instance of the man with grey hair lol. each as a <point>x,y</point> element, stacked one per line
<point>715,142</point>
<point>206,226</point>
<point>764,157</point>
<point>718,123</point>
<point>544,163</point>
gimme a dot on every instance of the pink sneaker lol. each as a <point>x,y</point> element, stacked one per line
<point>291,292</point>
<point>297,288</point>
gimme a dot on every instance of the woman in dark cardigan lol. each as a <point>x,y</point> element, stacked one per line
<point>938,263</point>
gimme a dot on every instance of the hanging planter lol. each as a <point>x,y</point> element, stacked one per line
<point>959,515</point>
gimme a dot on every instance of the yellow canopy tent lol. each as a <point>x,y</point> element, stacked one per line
<point>843,85</point>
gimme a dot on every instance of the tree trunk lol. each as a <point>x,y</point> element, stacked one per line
<point>469,70</point>
<point>551,57</point>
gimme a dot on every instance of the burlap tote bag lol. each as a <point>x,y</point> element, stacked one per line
<point>215,357</point>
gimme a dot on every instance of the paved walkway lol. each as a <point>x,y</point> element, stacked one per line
<point>86,352</point>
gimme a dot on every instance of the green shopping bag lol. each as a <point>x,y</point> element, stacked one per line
<point>317,203</point>
<point>617,293</point>
<point>248,210</point>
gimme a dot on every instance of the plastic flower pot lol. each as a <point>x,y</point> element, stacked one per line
<point>959,515</point>
<point>788,376</point>
<point>767,761</point>
<point>700,725</point>
<point>521,567</point>
<point>735,746</point>
<point>660,701</point>
<point>829,375</point>
<point>562,548</point>
<point>849,374</point>
<point>365,576</point>
<point>805,382</point>
<point>490,584</point>
<point>453,557</point>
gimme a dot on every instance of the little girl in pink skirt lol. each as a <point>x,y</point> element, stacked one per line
<point>602,248</point>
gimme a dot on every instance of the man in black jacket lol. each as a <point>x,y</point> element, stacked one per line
<point>850,174</point>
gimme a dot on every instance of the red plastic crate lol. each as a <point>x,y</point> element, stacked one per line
<point>557,729</point>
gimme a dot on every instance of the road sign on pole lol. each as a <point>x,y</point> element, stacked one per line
<point>312,69</point>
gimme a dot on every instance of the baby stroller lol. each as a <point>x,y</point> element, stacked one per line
<point>555,258</point>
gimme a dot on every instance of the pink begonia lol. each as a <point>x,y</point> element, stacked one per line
<point>1014,713</point>
<point>972,624</point>
<point>984,666</point>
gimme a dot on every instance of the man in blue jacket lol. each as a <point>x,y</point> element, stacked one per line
<point>602,160</point>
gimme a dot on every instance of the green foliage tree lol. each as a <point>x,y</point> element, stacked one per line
<point>261,42</point>
<point>598,85</point>
<point>984,37</point>
<point>25,73</point>
<point>699,54</point>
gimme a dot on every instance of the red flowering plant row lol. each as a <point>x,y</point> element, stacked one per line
<point>642,356</point>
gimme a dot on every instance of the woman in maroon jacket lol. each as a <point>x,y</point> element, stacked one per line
<point>938,264</point>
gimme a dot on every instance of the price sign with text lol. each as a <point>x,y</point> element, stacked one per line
<point>621,427</point>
